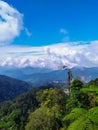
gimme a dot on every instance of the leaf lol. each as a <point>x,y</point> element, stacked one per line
<point>93,115</point>
<point>82,124</point>
<point>75,114</point>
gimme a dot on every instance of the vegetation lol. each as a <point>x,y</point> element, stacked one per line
<point>10,88</point>
<point>48,116</point>
<point>49,108</point>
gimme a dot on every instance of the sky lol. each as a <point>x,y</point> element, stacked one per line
<point>49,33</point>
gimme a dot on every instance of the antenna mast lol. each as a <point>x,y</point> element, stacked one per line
<point>69,76</point>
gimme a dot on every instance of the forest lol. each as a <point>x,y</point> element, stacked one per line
<point>50,108</point>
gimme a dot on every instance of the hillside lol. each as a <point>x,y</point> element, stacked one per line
<point>49,108</point>
<point>10,87</point>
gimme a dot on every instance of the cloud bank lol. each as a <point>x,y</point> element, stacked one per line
<point>71,54</point>
<point>10,23</point>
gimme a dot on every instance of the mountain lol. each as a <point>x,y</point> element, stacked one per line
<point>10,87</point>
<point>35,76</point>
<point>40,76</point>
<point>21,73</point>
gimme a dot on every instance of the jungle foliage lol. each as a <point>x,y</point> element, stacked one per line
<point>50,108</point>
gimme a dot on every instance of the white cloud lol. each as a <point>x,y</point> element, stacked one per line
<point>63,31</point>
<point>28,32</point>
<point>70,54</point>
<point>65,35</point>
<point>10,22</point>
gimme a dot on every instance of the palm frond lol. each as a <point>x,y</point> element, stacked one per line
<point>81,119</point>
<point>81,124</point>
<point>75,114</point>
<point>93,115</point>
<point>90,89</point>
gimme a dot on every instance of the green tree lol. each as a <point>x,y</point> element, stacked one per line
<point>53,97</point>
<point>75,99</point>
<point>48,116</point>
<point>82,119</point>
<point>92,92</point>
<point>43,119</point>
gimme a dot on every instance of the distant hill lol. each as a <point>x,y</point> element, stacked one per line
<point>10,87</point>
<point>40,76</point>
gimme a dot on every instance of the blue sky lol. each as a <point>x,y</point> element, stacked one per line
<point>49,33</point>
<point>45,18</point>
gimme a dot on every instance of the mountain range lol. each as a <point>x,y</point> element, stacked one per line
<point>40,76</point>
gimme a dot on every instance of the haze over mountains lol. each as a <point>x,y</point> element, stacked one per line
<point>40,76</point>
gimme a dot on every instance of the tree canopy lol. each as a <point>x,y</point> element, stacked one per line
<point>49,108</point>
